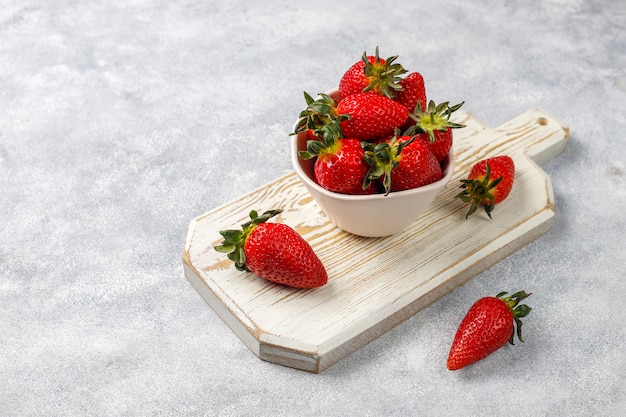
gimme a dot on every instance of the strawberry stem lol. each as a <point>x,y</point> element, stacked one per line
<point>383,77</point>
<point>319,115</point>
<point>478,192</point>
<point>435,117</point>
<point>328,142</point>
<point>517,310</point>
<point>383,158</point>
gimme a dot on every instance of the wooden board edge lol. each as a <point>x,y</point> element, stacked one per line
<point>317,359</point>
<point>542,225</point>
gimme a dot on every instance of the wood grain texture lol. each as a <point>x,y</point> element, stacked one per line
<point>374,283</point>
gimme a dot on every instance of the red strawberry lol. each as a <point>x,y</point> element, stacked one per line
<point>435,127</point>
<point>371,116</point>
<point>440,145</point>
<point>371,73</point>
<point>273,251</point>
<point>488,183</point>
<point>402,163</point>
<point>488,325</point>
<point>413,92</point>
<point>320,114</point>
<point>340,165</point>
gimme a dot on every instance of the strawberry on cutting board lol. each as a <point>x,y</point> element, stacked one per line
<point>489,182</point>
<point>488,325</point>
<point>273,251</point>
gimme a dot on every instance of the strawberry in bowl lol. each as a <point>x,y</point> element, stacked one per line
<point>373,153</point>
<point>369,214</point>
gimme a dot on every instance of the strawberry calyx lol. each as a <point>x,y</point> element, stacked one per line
<point>319,114</point>
<point>383,158</point>
<point>383,75</point>
<point>517,310</point>
<point>328,142</point>
<point>434,117</point>
<point>235,240</point>
<point>479,192</point>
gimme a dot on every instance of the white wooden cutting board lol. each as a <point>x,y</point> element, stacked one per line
<point>374,283</point>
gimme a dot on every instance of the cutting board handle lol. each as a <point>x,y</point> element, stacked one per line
<point>535,134</point>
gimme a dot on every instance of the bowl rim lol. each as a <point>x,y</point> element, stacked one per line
<point>447,174</point>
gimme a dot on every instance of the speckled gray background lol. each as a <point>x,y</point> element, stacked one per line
<point>120,121</point>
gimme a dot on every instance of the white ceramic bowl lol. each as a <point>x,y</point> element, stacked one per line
<point>368,215</point>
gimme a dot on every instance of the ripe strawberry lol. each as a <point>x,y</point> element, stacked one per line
<point>434,126</point>
<point>319,115</point>
<point>371,116</point>
<point>371,73</point>
<point>340,165</point>
<point>402,163</point>
<point>488,325</point>
<point>488,183</point>
<point>413,92</point>
<point>273,251</point>
<point>440,145</point>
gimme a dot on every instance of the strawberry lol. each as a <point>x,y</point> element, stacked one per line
<point>412,92</point>
<point>434,126</point>
<point>440,145</point>
<point>402,163</point>
<point>320,114</point>
<point>340,165</point>
<point>488,183</point>
<point>488,325</point>
<point>273,251</point>
<point>371,116</point>
<point>371,73</point>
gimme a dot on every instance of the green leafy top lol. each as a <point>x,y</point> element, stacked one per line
<point>383,158</point>
<point>435,117</point>
<point>235,240</point>
<point>319,115</point>
<point>383,77</point>
<point>479,192</point>
<point>327,143</point>
<point>518,311</point>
